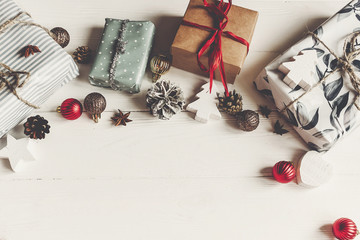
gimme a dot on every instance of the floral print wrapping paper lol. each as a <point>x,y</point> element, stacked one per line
<point>326,113</point>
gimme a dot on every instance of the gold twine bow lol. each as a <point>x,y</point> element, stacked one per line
<point>344,65</point>
<point>10,73</point>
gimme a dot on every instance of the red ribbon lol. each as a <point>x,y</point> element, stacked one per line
<point>220,11</point>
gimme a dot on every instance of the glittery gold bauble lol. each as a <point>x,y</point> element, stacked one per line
<point>95,104</point>
<point>159,65</point>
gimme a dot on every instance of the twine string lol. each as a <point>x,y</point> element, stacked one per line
<point>12,74</point>
<point>16,20</point>
<point>344,65</point>
<point>9,73</point>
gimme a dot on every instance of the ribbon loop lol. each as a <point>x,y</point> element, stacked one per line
<point>220,12</point>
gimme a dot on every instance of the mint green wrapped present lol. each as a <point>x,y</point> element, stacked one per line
<point>122,55</point>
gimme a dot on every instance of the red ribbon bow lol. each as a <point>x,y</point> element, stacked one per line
<point>220,11</point>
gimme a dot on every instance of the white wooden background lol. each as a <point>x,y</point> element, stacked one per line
<point>177,179</point>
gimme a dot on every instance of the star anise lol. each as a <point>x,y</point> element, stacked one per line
<point>279,128</point>
<point>121,119</point>
<point>265,111</point>
<point>30,49</point>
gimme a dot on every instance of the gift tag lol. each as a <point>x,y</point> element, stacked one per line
<point>301,70</point>
<point>313,170</point>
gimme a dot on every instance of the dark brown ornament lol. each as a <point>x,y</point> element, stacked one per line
<point>231,104</point>
<point>82,55</point>
<point>61,36</point>
<point>30,49</point>
<point>121,119</point>
<point>95,104</point>
<point>248,120</point>
<point>36,127</point>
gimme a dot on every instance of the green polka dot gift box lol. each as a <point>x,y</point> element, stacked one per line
<point>122,55</point>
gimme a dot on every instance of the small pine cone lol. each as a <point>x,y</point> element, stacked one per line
<point>36,127</point>
<point>231,104</point>
<point>248,120</point>
<point>82,55</point>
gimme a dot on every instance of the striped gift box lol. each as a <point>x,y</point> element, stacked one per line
<point>50,69</point>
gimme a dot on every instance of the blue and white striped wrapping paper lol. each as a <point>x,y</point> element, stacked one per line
<point>50,69</point>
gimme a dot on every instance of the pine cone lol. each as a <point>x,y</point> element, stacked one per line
<point>82,55</point>
<point>165,99</point>
<point>231,104</point>
<point>36,127</point>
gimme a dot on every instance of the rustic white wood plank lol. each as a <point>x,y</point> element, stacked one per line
<point>149,147</point>
<point>198,208</point>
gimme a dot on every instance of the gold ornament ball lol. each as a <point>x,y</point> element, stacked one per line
<point>95,104</point>
<point>159,65</point>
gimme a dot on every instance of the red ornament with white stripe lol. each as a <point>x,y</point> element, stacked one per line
<point>70,109</point>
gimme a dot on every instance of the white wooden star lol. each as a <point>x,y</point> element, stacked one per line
<point>301,70</point>
<point>17,151</point>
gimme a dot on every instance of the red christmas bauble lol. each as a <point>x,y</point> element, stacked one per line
<point>344,229</point>
<point>283,172</point>
<point>71,109</point>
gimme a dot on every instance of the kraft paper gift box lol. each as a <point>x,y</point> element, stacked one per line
<point>130,65</point>
<point>189,40</point>
<point>327,113</point>
<point>49,70</point>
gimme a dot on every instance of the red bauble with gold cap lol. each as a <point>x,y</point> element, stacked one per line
<point>344,229</point>
<point>283,172</point>
<point>70,109</point>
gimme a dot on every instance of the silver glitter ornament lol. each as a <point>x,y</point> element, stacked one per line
<point>165,99</point>
<point>61,36</point>
<point>95,104</point>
